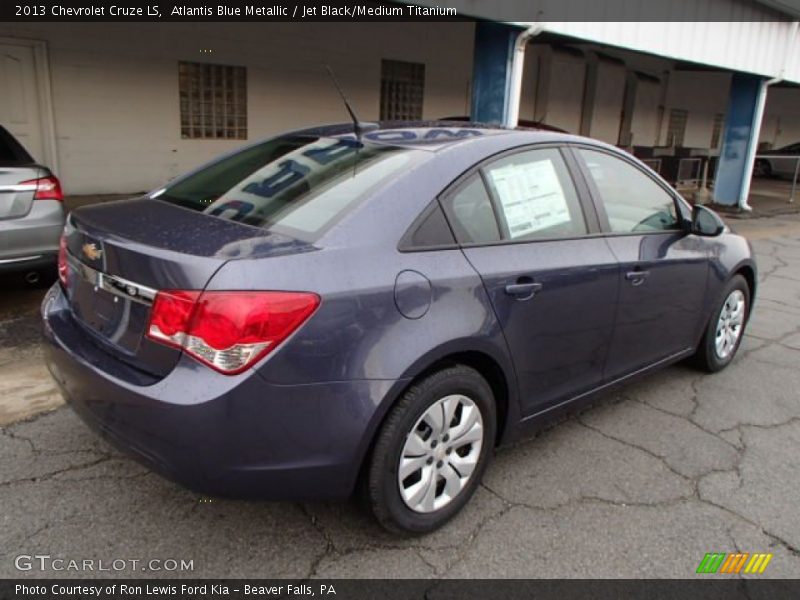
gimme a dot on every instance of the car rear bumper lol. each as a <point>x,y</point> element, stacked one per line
<point>34,235</point>
<point>232,436</point>
<point>28,262</point>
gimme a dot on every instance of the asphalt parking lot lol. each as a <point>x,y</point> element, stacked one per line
<point>643,484</point>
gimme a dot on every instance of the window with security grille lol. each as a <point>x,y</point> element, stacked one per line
<point>402,90</point>
<point>716,132</point>
<point>676,128</point>
<point>213,101</point>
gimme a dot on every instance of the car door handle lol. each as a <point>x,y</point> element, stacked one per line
<point>523,290</point>
<point>636,277</point>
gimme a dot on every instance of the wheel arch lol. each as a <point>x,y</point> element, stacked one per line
<point>747,269</point>
<point>489,369</point>
<point>498,373</point>
<point>749,273</point>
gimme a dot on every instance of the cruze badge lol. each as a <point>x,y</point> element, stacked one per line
<point>91,251</point>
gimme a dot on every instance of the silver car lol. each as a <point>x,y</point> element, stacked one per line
<point>781,162</point>
<point>31,211</point>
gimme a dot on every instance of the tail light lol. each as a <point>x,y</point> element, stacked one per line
<point>47,188</point>
<point>228,331</point>
<point>63,267</point>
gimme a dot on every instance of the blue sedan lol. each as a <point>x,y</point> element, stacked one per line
<point>326,307</point>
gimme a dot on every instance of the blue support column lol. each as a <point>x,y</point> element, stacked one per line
<point>740,140</point>
<point>491,71</point>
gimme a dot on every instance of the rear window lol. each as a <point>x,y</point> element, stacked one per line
<point>297,185</point>
<point>11,151</point>
<point>6,154</point>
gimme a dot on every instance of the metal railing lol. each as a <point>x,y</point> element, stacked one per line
<point>792,162</point>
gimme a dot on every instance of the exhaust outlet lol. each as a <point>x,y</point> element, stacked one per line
<point>32,277</point>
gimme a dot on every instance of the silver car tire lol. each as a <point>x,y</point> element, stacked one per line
<point>432,450</point>
<point>726,326</point>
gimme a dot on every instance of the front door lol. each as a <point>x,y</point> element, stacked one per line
<point>663,270</point>
<point>553,287</point>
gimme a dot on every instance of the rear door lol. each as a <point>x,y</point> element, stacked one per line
<point>523,227</point>
<point>663,269</point>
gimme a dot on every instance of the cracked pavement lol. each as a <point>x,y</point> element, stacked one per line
<point>642,484</point>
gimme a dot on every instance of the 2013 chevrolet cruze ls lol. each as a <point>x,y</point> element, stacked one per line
<point>322,309</point>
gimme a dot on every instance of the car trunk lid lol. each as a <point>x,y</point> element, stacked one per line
<point>121,254</point>
<point>16,196</point>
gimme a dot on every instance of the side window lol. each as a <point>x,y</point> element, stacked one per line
<point>535,196</point>
<point>633,202</point>
<point>470,213</point>
<point>430,230</point>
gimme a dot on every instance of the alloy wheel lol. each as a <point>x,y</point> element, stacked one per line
<point>730,324</point>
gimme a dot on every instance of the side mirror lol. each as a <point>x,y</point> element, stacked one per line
<point>706,222</point>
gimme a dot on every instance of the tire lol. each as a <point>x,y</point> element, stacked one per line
<point>762,168</point>
<point>407,432</point>
<point>708,356</point>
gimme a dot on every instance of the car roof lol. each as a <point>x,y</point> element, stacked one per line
<point>521,124</point>
<point>427,135</point>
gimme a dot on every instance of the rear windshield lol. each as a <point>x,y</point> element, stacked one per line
<point>11,152</point>
<point>297,185</point>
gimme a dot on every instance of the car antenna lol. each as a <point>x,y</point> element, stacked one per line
<point>359,127</point>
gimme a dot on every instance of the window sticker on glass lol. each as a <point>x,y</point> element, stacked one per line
<point>531,196</point>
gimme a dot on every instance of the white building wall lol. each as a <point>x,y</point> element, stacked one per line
<point>115,86</point>
<point>116,109</point>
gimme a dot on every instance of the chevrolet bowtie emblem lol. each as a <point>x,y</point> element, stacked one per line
<point>91,251</point>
